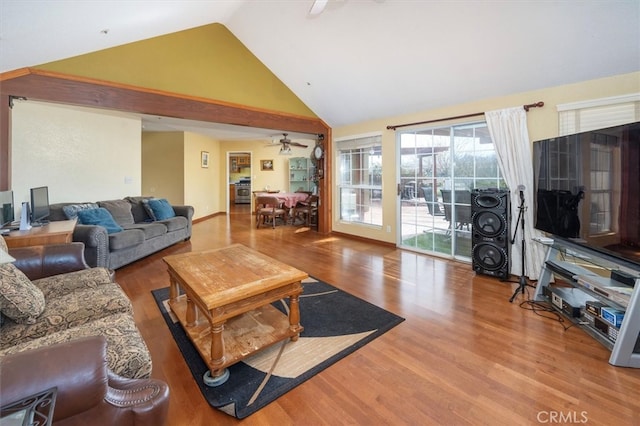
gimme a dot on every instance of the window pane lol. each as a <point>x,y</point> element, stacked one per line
<point>360,185</point>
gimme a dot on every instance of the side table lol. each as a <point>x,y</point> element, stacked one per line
<point>56,232</point>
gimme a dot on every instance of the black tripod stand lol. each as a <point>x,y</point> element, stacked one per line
<point>522,282</point>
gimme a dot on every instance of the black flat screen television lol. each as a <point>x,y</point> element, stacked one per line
<point>39,205</point>
<point>7,210</point>
<point>587,188</point>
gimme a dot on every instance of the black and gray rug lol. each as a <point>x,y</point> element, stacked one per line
<point>335,325</point>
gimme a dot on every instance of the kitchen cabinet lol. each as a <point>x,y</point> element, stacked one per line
<point>239,162</point>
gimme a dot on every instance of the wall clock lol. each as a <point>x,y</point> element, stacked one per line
<point>318,152</point>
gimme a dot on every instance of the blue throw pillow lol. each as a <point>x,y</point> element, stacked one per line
<point>161,209</point>
<point>99,216</point>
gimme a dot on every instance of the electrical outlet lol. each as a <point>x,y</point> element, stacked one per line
<point>388,228</point>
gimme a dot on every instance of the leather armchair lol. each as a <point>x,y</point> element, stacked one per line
<point>42,261</point>
<point>87,392</point>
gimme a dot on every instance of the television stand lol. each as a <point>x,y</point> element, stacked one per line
<point>55,232</point>
<point>588,275</point>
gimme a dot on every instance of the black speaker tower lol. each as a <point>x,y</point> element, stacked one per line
<point>490,219</point>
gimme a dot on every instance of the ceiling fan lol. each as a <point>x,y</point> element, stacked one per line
<point>287,143</point>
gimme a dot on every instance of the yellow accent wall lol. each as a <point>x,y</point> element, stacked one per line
<point>163,165</point>
<point>204,187</point>
<point>206,62</point>
<point>171,169</point>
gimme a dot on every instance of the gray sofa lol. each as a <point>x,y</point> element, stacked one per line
<point>140,237</point>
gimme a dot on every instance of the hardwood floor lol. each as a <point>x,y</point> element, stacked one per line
<point>464,355</point>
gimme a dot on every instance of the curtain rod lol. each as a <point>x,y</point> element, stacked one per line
<point>475,114</point>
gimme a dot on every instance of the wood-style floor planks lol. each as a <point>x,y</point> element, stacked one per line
<point>464,355</point>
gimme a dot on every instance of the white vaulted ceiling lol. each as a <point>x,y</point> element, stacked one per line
<point>359,59</point>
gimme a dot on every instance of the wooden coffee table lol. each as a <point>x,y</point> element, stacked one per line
<point>226,307</point>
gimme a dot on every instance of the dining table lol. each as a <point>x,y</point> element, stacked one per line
<point>289,201</point>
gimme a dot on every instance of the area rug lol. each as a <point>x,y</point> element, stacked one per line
<point>335,324</point>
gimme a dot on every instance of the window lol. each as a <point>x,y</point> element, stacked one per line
<point>360,180</point>
<point>438,169</point>
<point>595,114</point>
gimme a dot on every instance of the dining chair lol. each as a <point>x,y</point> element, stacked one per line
<point>268,207</point>
<point>307,209</point>
<point>463,208</point>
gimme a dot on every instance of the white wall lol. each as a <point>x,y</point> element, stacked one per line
<point>81,154</point>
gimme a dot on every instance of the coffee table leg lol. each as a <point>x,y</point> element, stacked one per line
<point>294,316</point>
<point>192,313</point>
<point>216,376</point>
<point>173,290</point>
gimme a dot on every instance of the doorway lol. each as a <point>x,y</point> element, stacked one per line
<point>239,179</point>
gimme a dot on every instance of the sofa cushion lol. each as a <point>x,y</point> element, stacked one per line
<point>20,299</point>
<point>71,210</point>
<point>151,230</point>
<point>56,210</point>
<point>59,285</point>
<point>127,353</point>
<point>101,217</point>
<point>69,311</point>
<point>161,208</point>
<point>120,210</point>
<point>175,223</point>
<point>140,214</point>
<point>125,239</point>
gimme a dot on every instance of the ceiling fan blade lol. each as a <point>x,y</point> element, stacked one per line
<point>317,7</point>
<point>297,144</point>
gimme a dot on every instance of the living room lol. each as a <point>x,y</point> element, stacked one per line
<point>112,159</point>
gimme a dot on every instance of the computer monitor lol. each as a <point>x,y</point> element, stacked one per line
<point>39,205</point>
<point>6,208</point>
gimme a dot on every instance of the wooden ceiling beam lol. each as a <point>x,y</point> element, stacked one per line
<point>72,90</point>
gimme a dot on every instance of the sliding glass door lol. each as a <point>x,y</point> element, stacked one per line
<point>438,169</point>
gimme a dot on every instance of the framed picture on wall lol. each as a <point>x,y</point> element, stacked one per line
<point>204,159</point>
<point>266,165</point>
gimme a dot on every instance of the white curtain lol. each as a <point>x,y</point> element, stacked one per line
<point>508,128</point>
